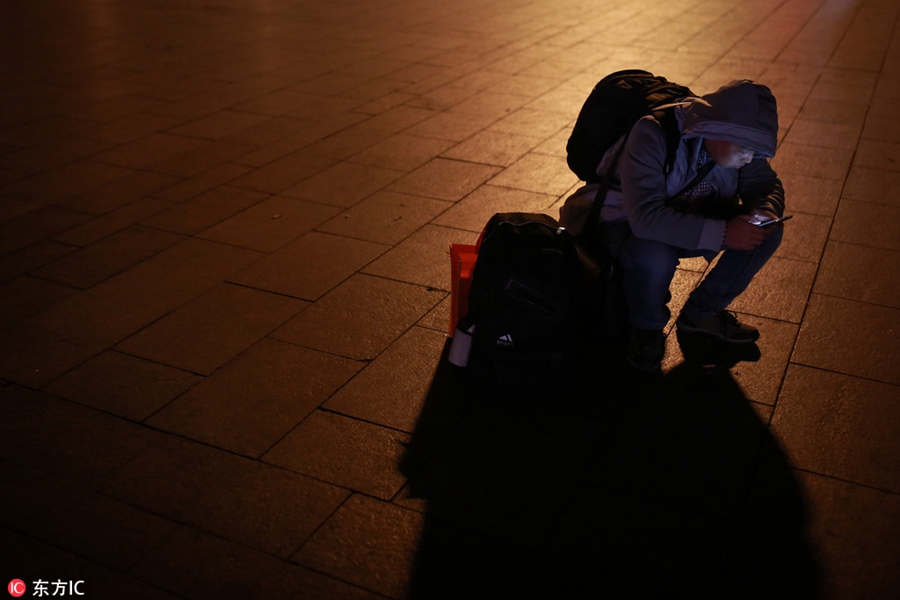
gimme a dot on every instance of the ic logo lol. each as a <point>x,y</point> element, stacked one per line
<point>17,588</point>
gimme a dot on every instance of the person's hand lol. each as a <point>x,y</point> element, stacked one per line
<point>741,235</point>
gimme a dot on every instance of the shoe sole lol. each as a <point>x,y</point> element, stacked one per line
<point>708,333</point>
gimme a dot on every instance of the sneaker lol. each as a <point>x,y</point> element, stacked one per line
<point>723,325</point>
<point>646,348</point>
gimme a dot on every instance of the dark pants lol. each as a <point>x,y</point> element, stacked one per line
<point>649,267</point>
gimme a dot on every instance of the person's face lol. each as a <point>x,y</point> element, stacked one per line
<point>728,155</point>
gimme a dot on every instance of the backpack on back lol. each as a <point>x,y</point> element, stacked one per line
<point>615,104</point>
<point>523,303</point>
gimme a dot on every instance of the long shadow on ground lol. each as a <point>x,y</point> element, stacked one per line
<point>620,485</point>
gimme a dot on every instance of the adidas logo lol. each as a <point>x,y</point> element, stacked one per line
<point>505,340</point>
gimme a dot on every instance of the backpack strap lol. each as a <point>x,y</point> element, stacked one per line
<point>665,116</point>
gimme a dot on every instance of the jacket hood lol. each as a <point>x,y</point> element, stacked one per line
<point>742,112</point>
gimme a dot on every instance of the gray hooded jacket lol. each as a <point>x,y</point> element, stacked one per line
<point>742,112</point>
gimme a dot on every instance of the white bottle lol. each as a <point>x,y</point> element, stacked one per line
<point>461,345</point>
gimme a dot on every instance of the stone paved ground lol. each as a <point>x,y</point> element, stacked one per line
<point>224,302</point>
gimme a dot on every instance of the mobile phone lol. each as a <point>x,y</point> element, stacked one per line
<point>758,223</point>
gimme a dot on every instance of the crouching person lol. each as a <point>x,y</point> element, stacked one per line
<point>735,128</point>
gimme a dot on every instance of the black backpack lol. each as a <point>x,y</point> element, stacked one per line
<point>524,300</point>
<point>615,104</point>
